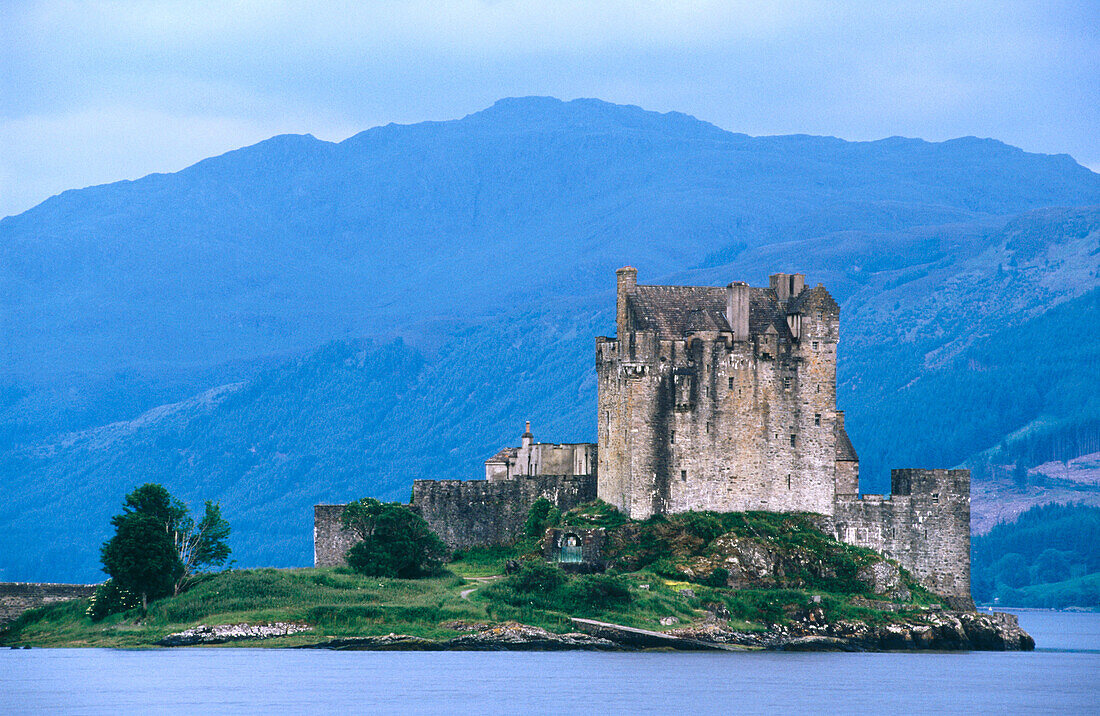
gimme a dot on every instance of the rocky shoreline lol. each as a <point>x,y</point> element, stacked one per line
<point>935,631</point>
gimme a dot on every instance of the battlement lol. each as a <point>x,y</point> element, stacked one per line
<point>932,484</point>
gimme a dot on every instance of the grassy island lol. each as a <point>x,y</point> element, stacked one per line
<point>743,573</point>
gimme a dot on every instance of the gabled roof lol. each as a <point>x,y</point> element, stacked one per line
<point>845,451</point>
<point>504,455</point>
<point>814,299</point>
<point>676,311</point>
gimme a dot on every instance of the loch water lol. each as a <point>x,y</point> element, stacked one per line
<point>1061,676</point>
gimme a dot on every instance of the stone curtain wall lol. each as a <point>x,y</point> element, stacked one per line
<point>924,525</point>
<point>464,513</point>
<point>18,597</point>
<point>467,513</point>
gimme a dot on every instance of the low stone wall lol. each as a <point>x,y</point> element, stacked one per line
<point>18,597</point>
<point>464,513</point>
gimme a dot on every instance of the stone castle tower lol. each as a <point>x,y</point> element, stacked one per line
<point>722,399</point>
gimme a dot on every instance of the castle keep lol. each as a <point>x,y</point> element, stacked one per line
<point>717,399</point>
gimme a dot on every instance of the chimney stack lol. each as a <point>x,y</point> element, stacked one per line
<point>627,280</point>
<point>787,285</point>
<point>527,436</point>
<point>737,309</point>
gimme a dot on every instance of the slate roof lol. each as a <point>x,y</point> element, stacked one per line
<point>845,452</point>
<point>675,311</point>
<point>816,298</point>
<point>504,455</point>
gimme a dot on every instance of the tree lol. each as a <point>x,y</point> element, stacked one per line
<point>157,547</point>
<point>394,541</point>
<point>141,557</point>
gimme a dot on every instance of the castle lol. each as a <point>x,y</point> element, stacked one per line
<point>717,399</point>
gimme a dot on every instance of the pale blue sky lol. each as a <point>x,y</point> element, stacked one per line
<point>92,92</point>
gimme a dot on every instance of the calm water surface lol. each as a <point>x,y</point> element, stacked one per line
<point>1061,676</point>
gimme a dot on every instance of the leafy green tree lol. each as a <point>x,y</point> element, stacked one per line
<point>394,541</point>
<point>141,557</point>
<point>158,547</point>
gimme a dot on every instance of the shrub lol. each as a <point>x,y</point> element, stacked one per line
<point>595,592</point>
<point>108,599</point>
<point>702,525</point>
<point>535,577</point>
<point>395,541</point>
<point>718,578</point>
<point>543,514</point>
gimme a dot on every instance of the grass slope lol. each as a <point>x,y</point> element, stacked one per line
<point>651,569</point>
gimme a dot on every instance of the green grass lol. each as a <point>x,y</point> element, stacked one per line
<point>488,561</point>
<point>646,583</point>
<point>336,602</point>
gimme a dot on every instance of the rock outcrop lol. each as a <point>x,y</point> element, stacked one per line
<point>509,636</point>
<point>936,630</point>
<point>223,633</point>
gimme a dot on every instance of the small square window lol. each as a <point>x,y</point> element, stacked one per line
<point>815,345</point>
<point>817,418</point>
<point>786,382</point>
<point>731,383</point>
<point>683,475</point>
<point>792,441</point>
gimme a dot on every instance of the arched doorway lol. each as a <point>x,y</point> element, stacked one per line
<point>570,552</point>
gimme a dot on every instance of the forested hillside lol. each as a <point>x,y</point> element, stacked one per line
<point>487,245</point>
<point>1049,557</point>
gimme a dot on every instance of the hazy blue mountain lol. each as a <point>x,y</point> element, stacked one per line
<point>489,244</point>
<point>278,247</point>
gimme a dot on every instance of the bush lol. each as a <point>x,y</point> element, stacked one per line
<point>718,578</point>
<point>396,542</point>
<point>536,577</point>
<point>543,514</point>
<point>595,592</point>
<point>108,599</point>
<point>702,525</point>
<point>594,514</point>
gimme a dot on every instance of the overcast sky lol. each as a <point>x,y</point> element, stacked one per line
<point>92,92</point>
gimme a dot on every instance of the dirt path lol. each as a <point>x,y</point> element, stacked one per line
<point>465,593</point>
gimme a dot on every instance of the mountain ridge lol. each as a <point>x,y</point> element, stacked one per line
<point>488,246</point>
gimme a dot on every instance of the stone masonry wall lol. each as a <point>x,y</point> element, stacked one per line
<point>18,597</point>
<point>924,525</point>
<point>709,423</point>
<point>464,513</point>
<point>330,540</point>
